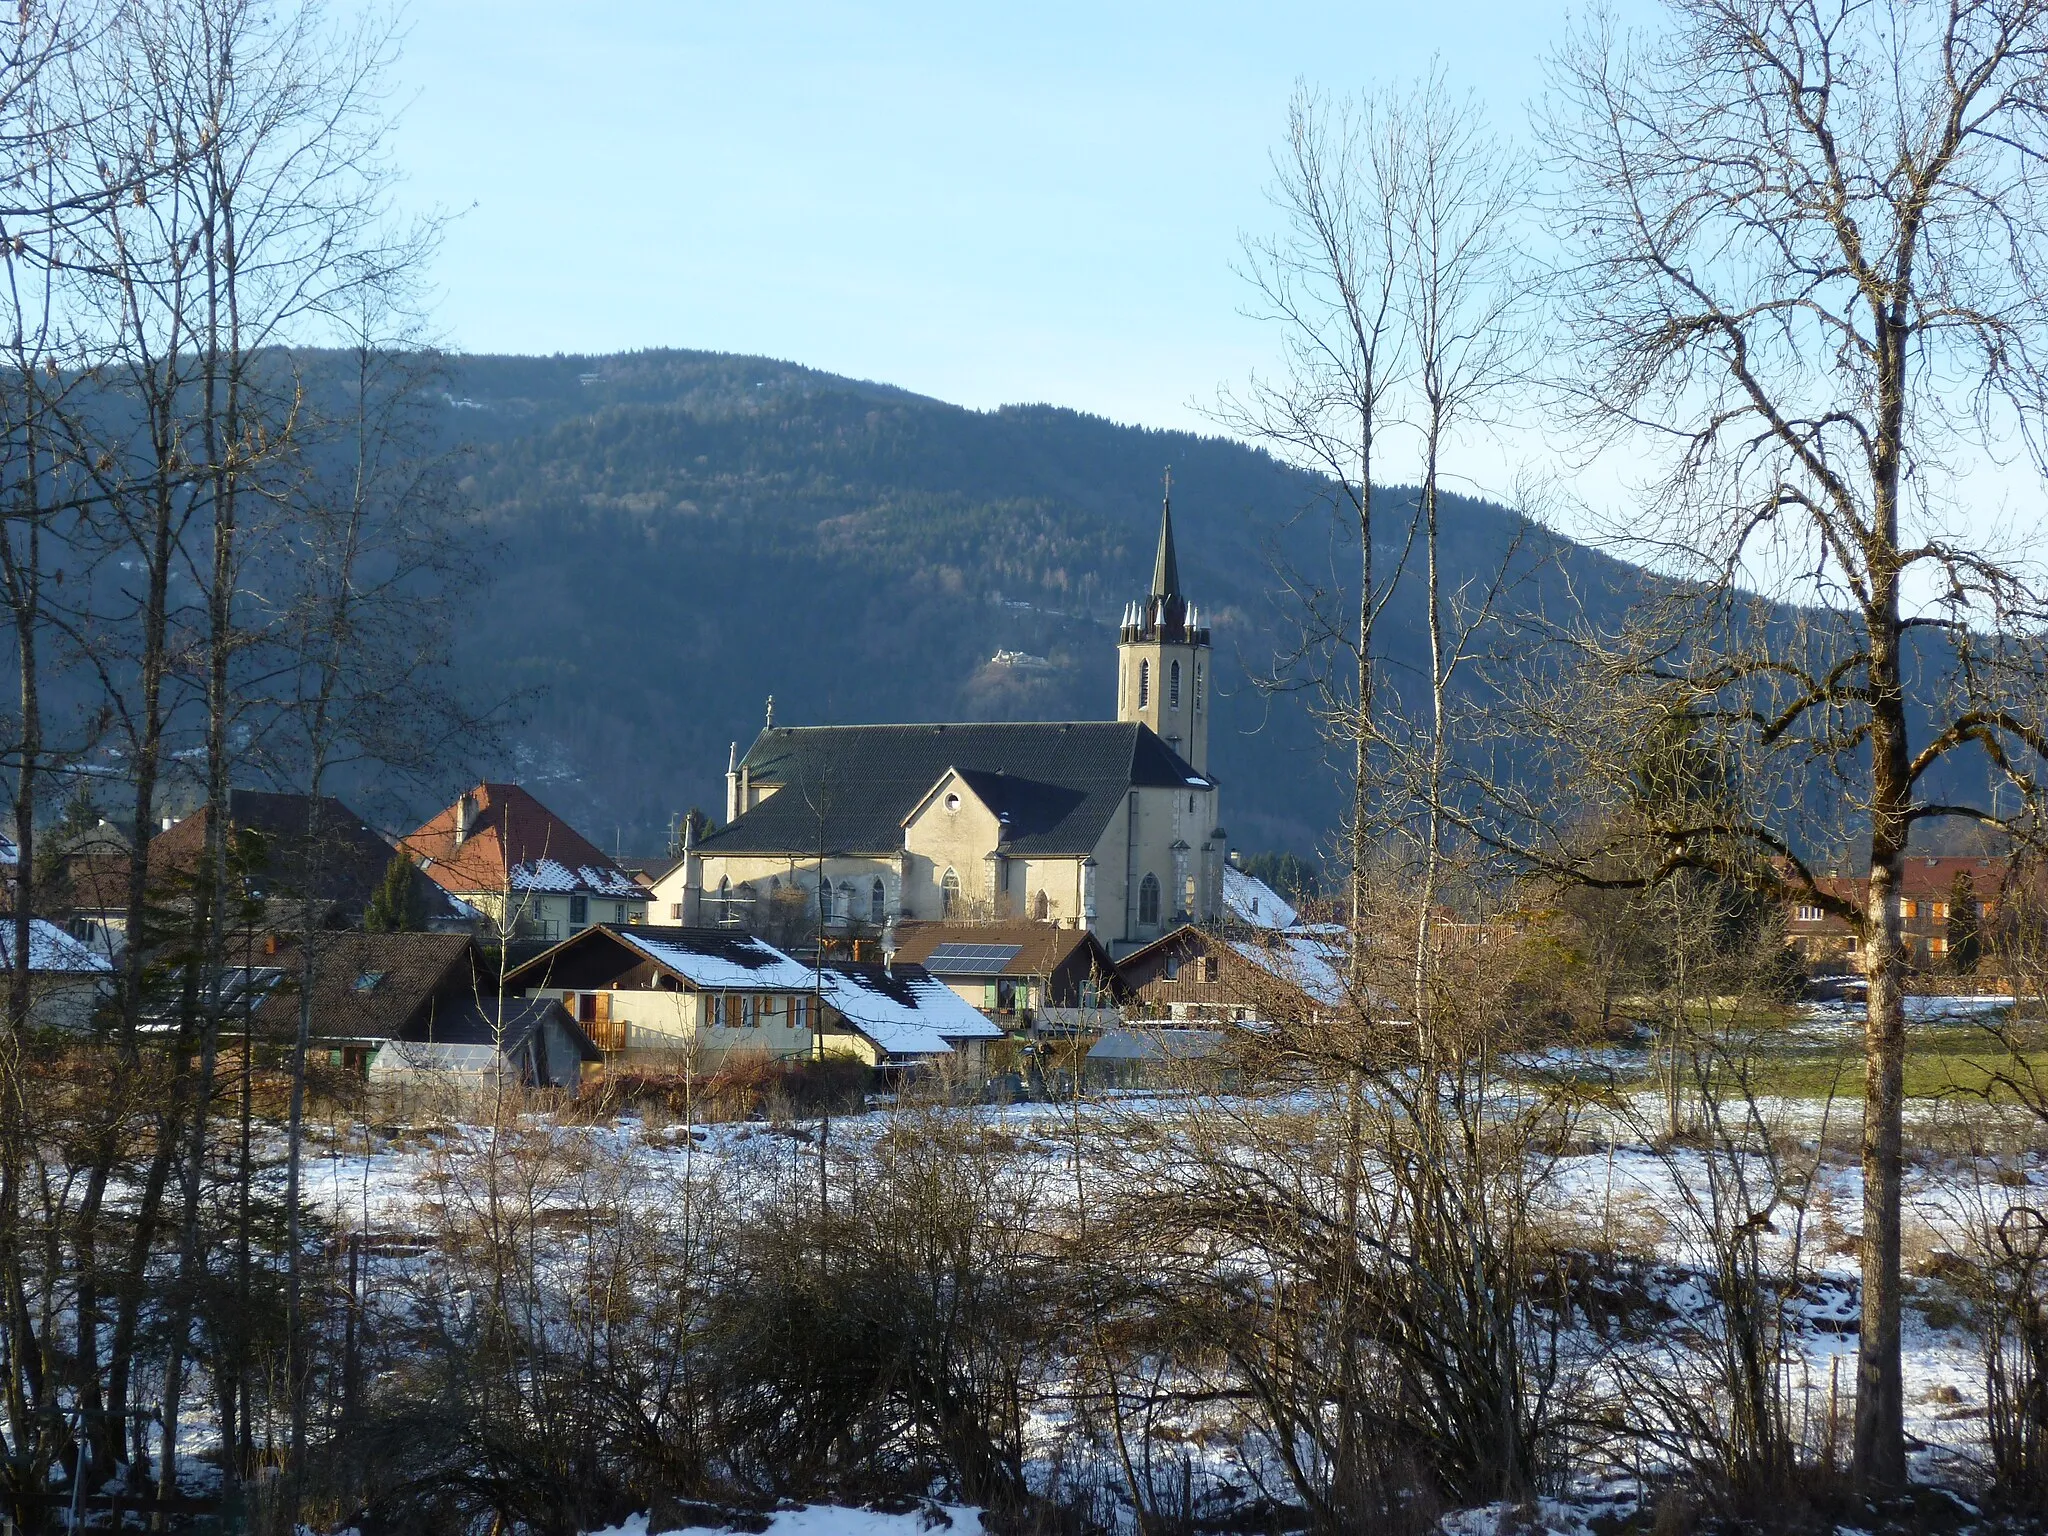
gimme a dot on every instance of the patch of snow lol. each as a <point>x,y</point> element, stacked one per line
<point>552,877</point>
<point>922,1023</point>
<point>1250,900</point>
<point>1309,962</point>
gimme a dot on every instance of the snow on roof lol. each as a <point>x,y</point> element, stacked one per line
<point>722,961</point>
<point>1250,900</point>
<point>906,1010</point>
<point>52,950</point>
<point>554,877</point>
<point>1310,962</point>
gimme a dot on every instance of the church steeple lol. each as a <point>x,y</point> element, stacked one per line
<point>1163,655</point>
<point>1165,568</point>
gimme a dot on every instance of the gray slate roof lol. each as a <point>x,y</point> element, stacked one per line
<point>1057,782</point>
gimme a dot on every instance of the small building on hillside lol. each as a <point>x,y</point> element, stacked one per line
<point>902,1015</point>
<point>1031,978</point>
<point>704,990</point>
<point>532,875</point>
<point>479,1042</point>
<point>367,988</point>
<point>67,979</point>
<point>1197,975</point>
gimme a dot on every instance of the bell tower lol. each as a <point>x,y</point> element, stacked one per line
<point>1162,672</point>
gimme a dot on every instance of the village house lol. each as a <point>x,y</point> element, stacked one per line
<point>366,988</point>
<point>67,979</point>
<point>900,1015</point>
<point>480,1042</point>
<point>297,852</point>
<point>1109,826</point>
<point>1202,975</point>
<point>715,992</point>
<point>293,856</point>
<point>1927,885</point>
<point>1031,978</point>
<point>530,874</point>
<point>84,888</point>
<point>709,991</point>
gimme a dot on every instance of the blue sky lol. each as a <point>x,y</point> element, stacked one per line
<point>984,203</point>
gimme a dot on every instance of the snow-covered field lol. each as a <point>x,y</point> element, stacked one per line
<point>1612,1190</point>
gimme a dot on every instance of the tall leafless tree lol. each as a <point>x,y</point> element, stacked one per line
<point>1803,247</point>
<point>1328,282</point>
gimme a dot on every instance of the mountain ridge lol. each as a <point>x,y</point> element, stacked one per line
<point>682,534</point>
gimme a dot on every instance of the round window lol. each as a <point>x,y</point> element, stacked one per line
<point>952,802</point>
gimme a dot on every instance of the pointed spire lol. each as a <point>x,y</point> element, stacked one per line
<point>1165,568</point>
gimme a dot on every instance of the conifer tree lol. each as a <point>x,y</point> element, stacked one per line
<point>1965,931</point>
<point>394,907</point>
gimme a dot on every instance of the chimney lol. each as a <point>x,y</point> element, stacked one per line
<point>889,945</point>
<point>465,817</point>
<point>167,824</point>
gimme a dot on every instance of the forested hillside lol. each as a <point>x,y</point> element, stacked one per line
<point>675,536</point>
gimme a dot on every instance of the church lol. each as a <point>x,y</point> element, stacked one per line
<point>1111,826</point>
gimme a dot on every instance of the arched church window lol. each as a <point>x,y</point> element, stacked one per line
<point>949,890</point>
<point>1144,683</point>
<point>724,897</point>
<point>1040,907</point>
<point>875,903</point>
<point>825,898</point>
<point>1173,687</point>
<point>845,907</point>
<point>1148,900</point>
<point>1198,687</point>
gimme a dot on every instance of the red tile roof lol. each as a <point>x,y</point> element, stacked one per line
<point>515,842</point>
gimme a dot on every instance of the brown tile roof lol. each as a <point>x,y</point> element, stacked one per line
<point>515,841</point>
<point>1042,947</point>
<point>1928,878</point>
<point>416,975</point>
<point>313,847</point>
<point>85,882</point>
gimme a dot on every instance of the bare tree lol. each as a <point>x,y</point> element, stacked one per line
<point>1462,303</point>
<point>1329,283</point>
<point>1804,269</point>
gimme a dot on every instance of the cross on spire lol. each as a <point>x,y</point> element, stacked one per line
<point>1165,568</point>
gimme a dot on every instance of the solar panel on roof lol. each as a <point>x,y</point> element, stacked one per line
<point>971,959</point>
